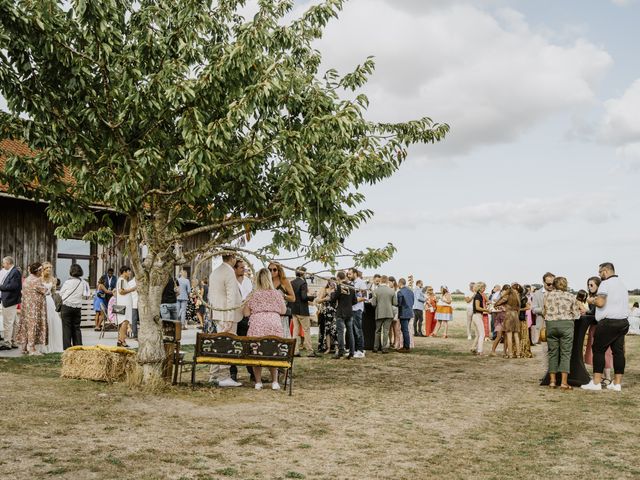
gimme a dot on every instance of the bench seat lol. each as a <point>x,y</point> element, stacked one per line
<point>250,362</point>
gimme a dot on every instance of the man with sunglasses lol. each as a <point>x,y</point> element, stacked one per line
<point>538,306</point>
<point>612,312</point>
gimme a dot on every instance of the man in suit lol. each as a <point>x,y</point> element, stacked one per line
<point>10,296</point>
<point>300,311</point>
<point>538,306</point>
<point>110,282</point>
<point>226,312</point>
<point>344,297</point>
<point>405,313</point>
<point>384,299</point>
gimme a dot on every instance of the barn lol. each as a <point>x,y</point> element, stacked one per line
<point>27,235</point>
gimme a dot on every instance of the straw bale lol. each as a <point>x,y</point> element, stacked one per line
<point>97,364</point>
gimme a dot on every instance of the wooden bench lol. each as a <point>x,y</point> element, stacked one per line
<point>230,349</point>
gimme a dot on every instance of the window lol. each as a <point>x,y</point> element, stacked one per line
<point>76,252</point>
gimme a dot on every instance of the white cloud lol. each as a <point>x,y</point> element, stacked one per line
<point>621,122</point>
<point>529,213</point>
<point>489,75</point>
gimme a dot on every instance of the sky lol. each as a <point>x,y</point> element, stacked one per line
<point>540,170</point>
<point>541,167</point>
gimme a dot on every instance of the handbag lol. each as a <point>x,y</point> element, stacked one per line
<point>58,303</point>
<point>119,309</point>
<point>543,334</point>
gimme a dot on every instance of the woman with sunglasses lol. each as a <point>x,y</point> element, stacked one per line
<point>592,290</point>
<point>32,329</point>
<point>282,284</point>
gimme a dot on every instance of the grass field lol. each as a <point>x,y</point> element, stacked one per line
<point>436,413</point>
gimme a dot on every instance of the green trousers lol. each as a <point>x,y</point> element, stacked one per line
<point>560,343</point>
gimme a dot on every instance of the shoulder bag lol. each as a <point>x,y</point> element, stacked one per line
<point>118,309</point>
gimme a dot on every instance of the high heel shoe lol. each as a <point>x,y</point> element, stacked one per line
<point>123,344</point>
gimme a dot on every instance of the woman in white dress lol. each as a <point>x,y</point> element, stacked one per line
<point>54,323</point>
<point>122,294</point>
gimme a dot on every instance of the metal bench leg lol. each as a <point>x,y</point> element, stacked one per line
<point>193,375</point>
<point>175,369</point>
<point>290,381</point>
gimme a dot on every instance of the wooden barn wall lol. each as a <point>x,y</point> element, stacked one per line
<point>26,234</point>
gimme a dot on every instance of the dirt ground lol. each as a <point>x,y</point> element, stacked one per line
<point>436,413</point>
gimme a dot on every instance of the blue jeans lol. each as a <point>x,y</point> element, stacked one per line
<point>406,339</point>
<point>357,331</point>
<point>169,311</point>
<point>341,323</point>
<point>182,311</point>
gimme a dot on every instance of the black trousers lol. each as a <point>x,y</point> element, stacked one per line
<point>71,318</point>
<point>417,322</point>
<point>609,333</point>
<point>243,328</point>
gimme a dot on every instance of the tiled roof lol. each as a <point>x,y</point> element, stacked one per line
<point>18,147</point>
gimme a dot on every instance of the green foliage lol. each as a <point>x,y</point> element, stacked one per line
<point>183,114</point>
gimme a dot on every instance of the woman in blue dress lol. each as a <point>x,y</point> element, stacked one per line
<point>99,301</point>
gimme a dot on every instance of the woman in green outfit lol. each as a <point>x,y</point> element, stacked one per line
<point>561,308</point>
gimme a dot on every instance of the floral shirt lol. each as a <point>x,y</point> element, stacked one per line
<point>560,306</point>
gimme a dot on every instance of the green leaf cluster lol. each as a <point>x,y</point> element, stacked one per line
<point>189,119</point>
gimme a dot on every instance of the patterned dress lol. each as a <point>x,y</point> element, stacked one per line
<point>328,315</point>
<point>32,329</point>
<point>266,307</point>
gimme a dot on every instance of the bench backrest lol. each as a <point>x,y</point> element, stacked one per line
<point>228,345</point>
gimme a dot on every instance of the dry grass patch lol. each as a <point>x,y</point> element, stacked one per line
<point>436,413</point>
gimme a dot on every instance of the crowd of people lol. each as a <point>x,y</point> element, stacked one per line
<point>50,314</point>
<point>513,315</point>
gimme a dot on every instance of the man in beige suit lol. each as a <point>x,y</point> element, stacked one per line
<point>224,294</point>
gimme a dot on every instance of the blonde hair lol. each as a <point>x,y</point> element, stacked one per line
<point>263,280</point>
<point>50,276</point>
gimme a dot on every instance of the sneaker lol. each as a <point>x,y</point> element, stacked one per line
<point>258,386</point>
<point>362,354</point>
<point>358,355</point>
<point>616,387</point>
<point>591,386</point>
<point>275,386</point>
<point>229,382</point>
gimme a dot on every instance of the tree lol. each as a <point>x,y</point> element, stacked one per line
<point>188,119</point>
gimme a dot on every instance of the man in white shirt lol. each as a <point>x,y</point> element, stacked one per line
<point>226,311</point>
<point>469,299</point>
<point>612,311</point>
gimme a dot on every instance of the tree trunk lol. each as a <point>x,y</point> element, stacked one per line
<point>151,351</point>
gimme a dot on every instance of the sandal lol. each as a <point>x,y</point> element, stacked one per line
<point>123,344</point>
<point>566,388</point>
<point>552,385</point>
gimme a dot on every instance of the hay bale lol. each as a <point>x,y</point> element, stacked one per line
<point>104,364</point>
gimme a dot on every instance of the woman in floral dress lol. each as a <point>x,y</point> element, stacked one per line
<point>264,307</point>
<point>32,330</point>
